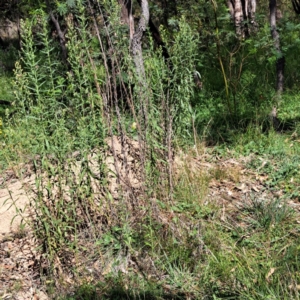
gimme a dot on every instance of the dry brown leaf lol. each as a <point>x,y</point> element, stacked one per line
<point>255,188</point>
<point>292,287</point>
<point>243,188</point>
<point>272,270</point>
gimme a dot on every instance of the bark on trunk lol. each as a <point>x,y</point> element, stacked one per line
<point>156,36</point>
<point>238,17</point>
<point>230,5</point>
<point>242,12</point>
<point>136,49</point>
<point>126,15</point>
<point>136,43</point>
<point>251,13</point>
<point>280,63</point>
<point>296,6</point>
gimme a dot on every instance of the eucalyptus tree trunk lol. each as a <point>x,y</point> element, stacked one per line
<point>136,35</point>
<point>238,17</point>
<point>156,35</point>
<point>296,6</point>
<point>126,15</point>
<point>251,10</point>
<point>136,42</point>
<point>280,62</point>
<point>242,12</point>
<point>230,4</point>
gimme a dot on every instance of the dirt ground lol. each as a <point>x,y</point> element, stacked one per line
<point>19,258</point>
<point>18,255</point>
<point>13,199</point>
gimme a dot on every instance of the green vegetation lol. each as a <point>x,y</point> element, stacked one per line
<point>114,219</point>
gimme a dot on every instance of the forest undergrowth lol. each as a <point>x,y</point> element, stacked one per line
<point>145,187</point>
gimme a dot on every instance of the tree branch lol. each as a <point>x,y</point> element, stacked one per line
<point>62,40</point>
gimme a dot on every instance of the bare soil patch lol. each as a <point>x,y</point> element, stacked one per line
<point>230,185</point>
<point>19,258</point>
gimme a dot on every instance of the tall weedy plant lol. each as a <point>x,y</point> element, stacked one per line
<point>181,86</point>
<point>61,110</point>
<point>105,152</point>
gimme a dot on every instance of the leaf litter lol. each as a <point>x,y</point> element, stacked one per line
<point>231,184</point>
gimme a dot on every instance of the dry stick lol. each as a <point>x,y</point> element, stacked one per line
<point>127,181</point>
<point>117,111</point>
<point>96,80</point>
<point>100,42</point>
<point>195,137</point>
<point>136,50</point>
<point>220,57</point>
<point>61,35</point>
<point>132,108</point>
<point>169,132</point>
<point>157,37</point>
<point>165,125</point>
<point>130,103</point>
<point>109,90</point>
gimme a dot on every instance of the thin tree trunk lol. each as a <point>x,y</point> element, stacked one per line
<point>136,43</point>
<point>230,5</point>
<point>126,15</point>
<point>142,87</point>
<point>156,36</point>
<point>243,11</point>
<point>238,18</point>
<point>250,16</point>
<point>296,6</point>
<point>62,40</point>
<point>280,62</point>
